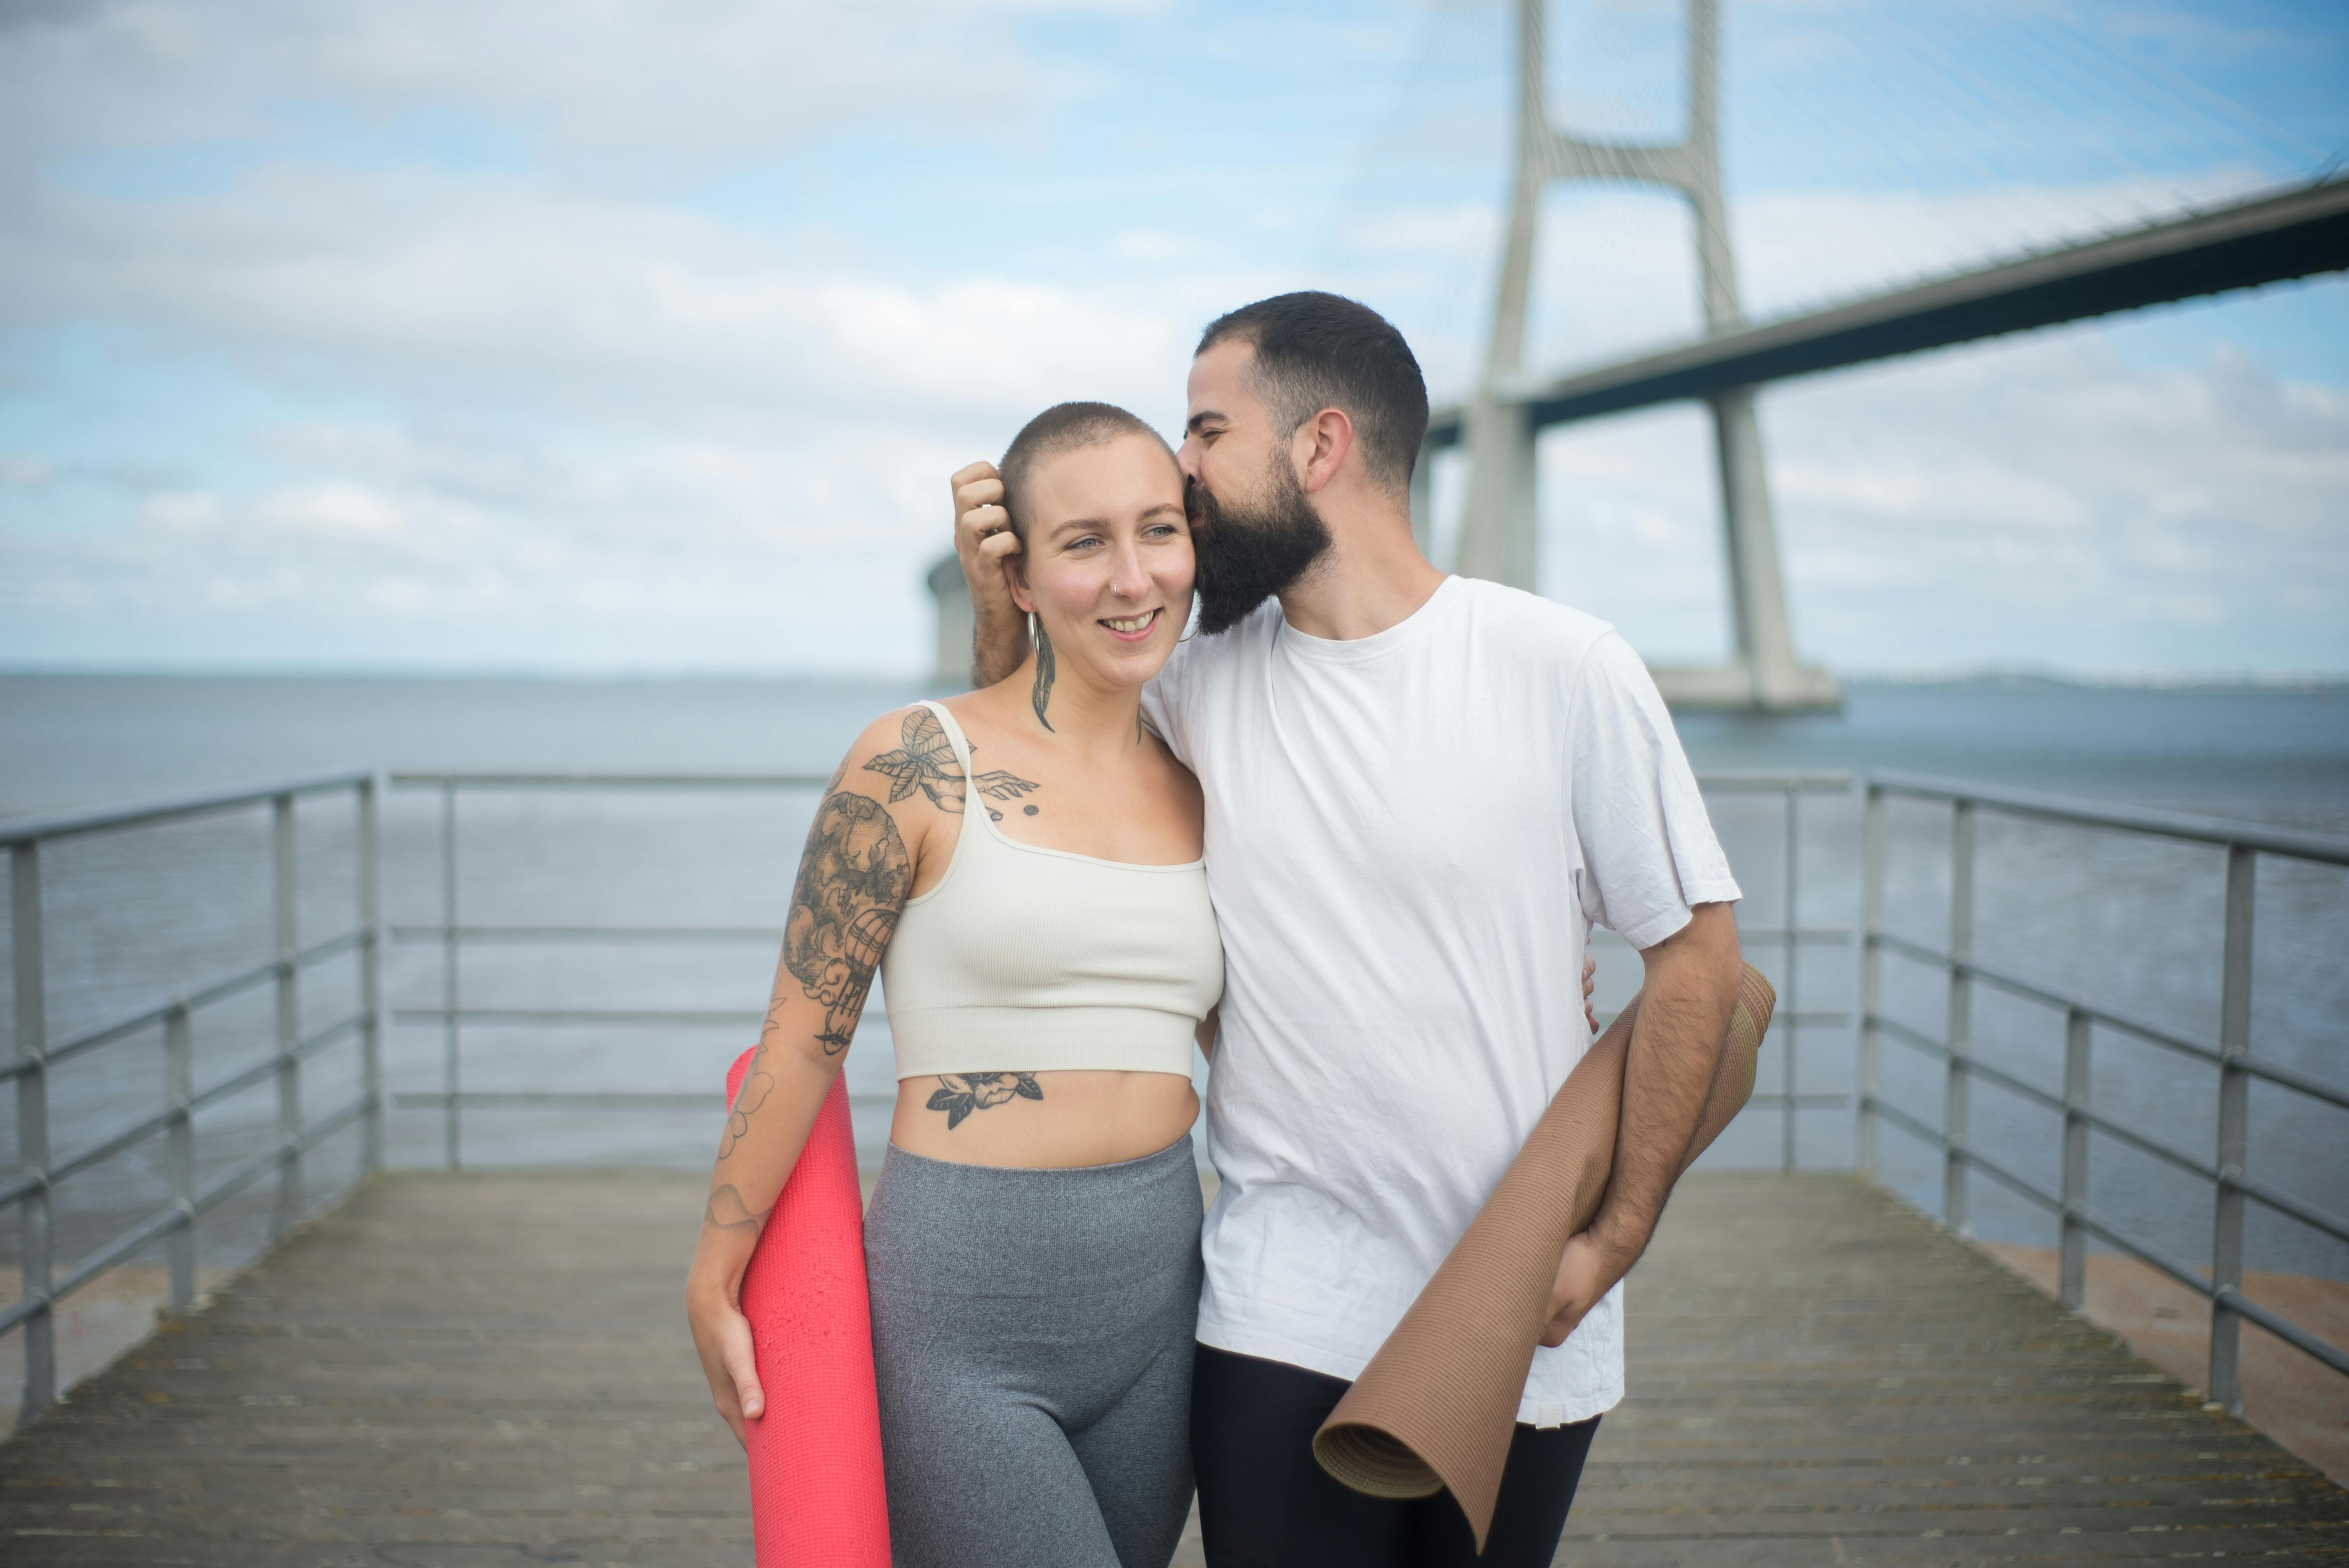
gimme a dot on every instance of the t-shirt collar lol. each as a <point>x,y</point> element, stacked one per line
<point>1377,645</point>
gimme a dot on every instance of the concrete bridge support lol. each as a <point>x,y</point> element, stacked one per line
<point>1500,536</point>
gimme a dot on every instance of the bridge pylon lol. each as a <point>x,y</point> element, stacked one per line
<point>1500,535</point>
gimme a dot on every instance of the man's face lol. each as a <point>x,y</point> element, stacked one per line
<point>1227,435</point>
<point>1254,527</point>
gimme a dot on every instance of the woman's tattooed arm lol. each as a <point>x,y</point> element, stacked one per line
<point>853,881</point>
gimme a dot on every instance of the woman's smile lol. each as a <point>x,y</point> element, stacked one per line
<point>1132,628</point>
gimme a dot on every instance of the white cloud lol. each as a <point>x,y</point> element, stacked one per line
<point>505,288</point>
<point>2034,500</point>
<point>631,79</point>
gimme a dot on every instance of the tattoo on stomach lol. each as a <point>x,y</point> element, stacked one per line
<point>959,1094</point>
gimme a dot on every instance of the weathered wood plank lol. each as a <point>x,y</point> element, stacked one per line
<point>488,1371</point>
<point>1819,1376</point>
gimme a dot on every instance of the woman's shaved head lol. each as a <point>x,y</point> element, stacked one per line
<point>1063,428</point>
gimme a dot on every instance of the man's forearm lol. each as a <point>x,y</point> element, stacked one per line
<point>1674,1057</point>
<point>999,645</point>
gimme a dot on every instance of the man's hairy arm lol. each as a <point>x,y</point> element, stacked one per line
<point>985,544</point>
<point>1674,1060</point>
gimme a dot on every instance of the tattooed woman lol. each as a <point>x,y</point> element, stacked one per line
<point>1022,866</point>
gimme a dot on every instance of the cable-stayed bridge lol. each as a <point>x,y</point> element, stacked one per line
<point>2295,232</point>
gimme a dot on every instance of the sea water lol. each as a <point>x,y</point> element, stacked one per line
<point>2118,920</point>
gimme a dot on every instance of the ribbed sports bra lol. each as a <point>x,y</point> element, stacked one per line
<point>1025,959</point>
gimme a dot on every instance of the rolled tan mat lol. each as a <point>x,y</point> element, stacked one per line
<point>1435,1409</point>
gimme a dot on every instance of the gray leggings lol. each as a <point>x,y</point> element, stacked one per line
<point>1032,1333</point>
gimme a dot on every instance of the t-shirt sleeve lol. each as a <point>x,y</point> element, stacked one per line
<point>1648,851</point>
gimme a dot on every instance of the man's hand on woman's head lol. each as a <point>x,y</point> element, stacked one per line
<point>982,527</point>
<point>985,544</point>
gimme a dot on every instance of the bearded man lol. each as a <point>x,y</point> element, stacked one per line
<point>1421,793</point>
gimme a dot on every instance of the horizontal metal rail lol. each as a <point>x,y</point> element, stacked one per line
<point>2331,848</point>
<point>2152,1034</point>
<point>218,990</point>
<point>39,826</point>
<point>618,1017</point>
<point>610,781</point>
<point>435,933</point>
<point>131,1137</point>
<point>594,1099</point>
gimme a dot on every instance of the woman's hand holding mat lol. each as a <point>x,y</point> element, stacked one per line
<point>816,1493</point>
<point>1436,1406</point>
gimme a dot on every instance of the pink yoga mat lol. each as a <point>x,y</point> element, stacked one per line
<point>816,1494</point>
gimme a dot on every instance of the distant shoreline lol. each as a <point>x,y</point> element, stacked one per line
<point>1986,678</point>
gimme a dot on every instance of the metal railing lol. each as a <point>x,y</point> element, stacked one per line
<point>30,1188</point>
<point>2243,842</point>
<point>450,934</point>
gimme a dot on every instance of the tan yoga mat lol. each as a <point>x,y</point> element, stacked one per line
<point>1435,1409</point>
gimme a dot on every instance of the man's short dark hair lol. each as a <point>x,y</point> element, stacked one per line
<point>1062,427</point>
<point>1317,351</point>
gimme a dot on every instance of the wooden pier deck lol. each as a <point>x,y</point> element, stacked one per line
<point>482,1371</point>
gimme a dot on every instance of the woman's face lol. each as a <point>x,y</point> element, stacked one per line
<point>1107,563</point>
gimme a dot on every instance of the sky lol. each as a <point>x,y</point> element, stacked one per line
<point>637,338</point>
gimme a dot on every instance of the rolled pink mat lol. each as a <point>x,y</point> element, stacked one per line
<point>817,1499</point>
<point>1437,1405</point>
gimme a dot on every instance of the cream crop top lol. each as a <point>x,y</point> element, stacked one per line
<point>1025,959</point>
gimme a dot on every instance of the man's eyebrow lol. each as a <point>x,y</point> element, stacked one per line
<point>1201,417</point>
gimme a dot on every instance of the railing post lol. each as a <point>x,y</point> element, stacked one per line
<point>1956,1099</point>
<point>2234,1118</point>
<point>1871,971</point>
<point>289,1022</point>
<point>1786,1151</point>
<point>371,939</point>
<point>179,1093</point>
<point>33,1126</point>
<point>449,1060</point>
<point>2072,1272</point>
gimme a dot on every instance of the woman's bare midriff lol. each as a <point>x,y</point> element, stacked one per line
<point>1072,1118</point>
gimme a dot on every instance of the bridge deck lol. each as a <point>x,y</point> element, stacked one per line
<point>479,1371</point>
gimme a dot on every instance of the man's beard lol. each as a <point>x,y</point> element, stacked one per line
<point>1246,555</point>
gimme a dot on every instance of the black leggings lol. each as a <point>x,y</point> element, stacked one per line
<point>1266,1503</point>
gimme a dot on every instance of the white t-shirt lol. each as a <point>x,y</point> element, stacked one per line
<point>1408,839</point>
